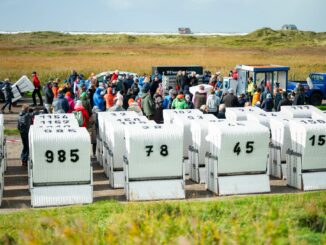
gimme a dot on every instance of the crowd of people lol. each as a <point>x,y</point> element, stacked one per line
<point>143,94</point>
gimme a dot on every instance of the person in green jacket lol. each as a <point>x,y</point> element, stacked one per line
<point>179,102</point>
<point>147,103</point>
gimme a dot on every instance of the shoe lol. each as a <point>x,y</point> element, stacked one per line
<point>40,104</point>
<point>32,104</point>
<point>10,112</point>
<point>24,164</point>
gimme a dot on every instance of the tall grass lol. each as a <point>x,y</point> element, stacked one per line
<point>280,219</point>
<point>55,54</point>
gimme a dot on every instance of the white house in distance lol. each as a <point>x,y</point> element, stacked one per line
<point>289,27</point>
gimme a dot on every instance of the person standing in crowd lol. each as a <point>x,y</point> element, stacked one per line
<point>221,112</point>
<point>23,125</point>
<point>179,102</point>
<point>268,103</point>
<point>168,98</point>
<point>212,103</point>
<point>133,106</point>
<point>242,100</point>
<point>135,89</point>
<point>73,76</point>
<point>178,80</point>
<point>118,106</point>
<point>184,79</point>
<point>55,88</point>
<point>147,103</point>
<point>70,102</point>
<point>256,97</point>
<point>98,99</point>
<point>230,100</point>
<point>299,95</point>
<point>61,105</point>
<point>158,109</point>
<point>154,85</point>
<point>86,104</point>
<point>37,89</point>
<point>8,95</point>
<point>189,102</point>
<point>48,96</point>
<point>109,98</point>
<point>93,125</point>
<point>200,97</point>
<point>284,101</point>
<point>193,80</point>
<point>91,92</point>
<point>250,89</point>
<point>277,98</point>
<point>79,109</point>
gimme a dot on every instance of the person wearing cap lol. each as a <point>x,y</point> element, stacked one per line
<point>230,100</point>
<point>8,95</point>
<point>23,125</point>
<point>37,89</point>
<point>268,103</point>
<point>200,97</point>
<point>147,102</point>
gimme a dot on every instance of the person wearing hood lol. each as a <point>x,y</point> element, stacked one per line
<point>133,106</point>
<point>179,102</point>
<point>268,103</point>
<point>98,99</point>
<point>79,107</point>
<point>70,102</point>
<point>200,97</point>
<point>23,125</point>
<point>86,104</point>
<point>158,112</point>
<point>61,105</point>
<point>8,94</point>
<point>109,98</point>
<point>147,102</point>
<point>49,96</point>
<point>189,102</point>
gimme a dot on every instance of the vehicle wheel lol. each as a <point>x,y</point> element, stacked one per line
<point>316,99</point>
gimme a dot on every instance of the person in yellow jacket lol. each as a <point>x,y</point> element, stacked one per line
<point>256,97</point>
<point>250,88</point>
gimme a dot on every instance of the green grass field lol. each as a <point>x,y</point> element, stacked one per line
<point>266,219</point>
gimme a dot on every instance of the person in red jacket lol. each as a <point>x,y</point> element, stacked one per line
<point>79,107</point>
<point>37,89</point>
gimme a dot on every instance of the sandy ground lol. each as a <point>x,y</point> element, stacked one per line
<point>16,194</point>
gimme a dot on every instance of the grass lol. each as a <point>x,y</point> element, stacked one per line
<point>272,219</point>
<point>55,54</point>
<point>11,131</point>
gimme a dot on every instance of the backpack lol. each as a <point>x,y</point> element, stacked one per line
<point>80,118</point>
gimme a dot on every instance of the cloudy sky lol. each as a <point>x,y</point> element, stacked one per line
<point>160,15</point>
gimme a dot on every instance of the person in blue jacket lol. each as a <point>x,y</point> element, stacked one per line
<point>98,99</point>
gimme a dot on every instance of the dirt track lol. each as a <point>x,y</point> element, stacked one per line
<point>16,194</point>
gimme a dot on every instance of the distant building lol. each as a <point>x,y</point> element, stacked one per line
<point>184,30</point>
<point>290,27</point>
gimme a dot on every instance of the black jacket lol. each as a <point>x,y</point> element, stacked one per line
<point>24,122</point>
<point>283,102</point>
<point>48,95</point>
<point>230,100</point>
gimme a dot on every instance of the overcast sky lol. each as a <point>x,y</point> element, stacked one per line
<point>160,15</point>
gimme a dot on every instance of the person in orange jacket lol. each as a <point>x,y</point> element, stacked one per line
<point>55,88</point>
<point>256,97</point>
<point>109,98</point>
